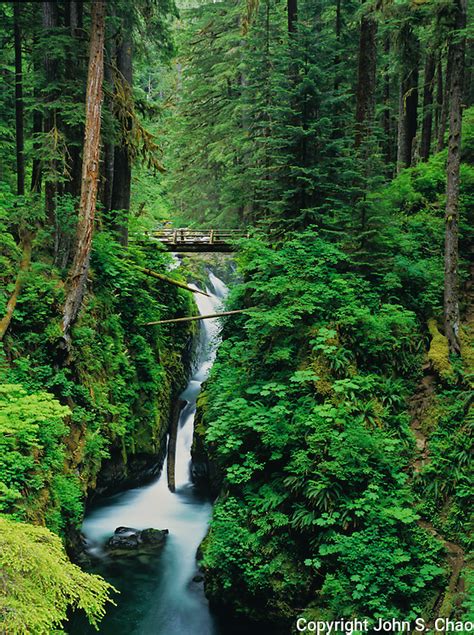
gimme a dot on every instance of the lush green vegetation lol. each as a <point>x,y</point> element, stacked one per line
<point>40,583</point>
<point>307,418</point>
<point>338,417</point>
<point>118,388</point>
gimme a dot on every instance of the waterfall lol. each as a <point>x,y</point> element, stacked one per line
<point>163,596</point>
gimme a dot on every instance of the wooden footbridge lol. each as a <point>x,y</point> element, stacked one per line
<point>198,240</point>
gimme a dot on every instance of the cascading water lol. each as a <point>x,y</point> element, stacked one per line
<point>159,596</point>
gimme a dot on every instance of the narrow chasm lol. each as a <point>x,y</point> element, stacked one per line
<point>156,573</point>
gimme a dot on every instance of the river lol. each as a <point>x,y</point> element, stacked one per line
<point>159,595</point>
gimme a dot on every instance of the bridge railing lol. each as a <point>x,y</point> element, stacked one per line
<point>196,236</point>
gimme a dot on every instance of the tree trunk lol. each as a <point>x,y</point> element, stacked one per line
<point>408,99</point>
<point>443,121</point>
<point>193,318</point>
<point>387,124</point>
<point>292,15</point>
<point>439,96</point>
<point>90,168</point>
<point>337,57</point>
<point>176,283</point>
<point>50,22</point>
<point>11,304</point>
<point>428,90</point>
<point>456,55</point>
<point>36,172</point>
<point>122,180</point>
<point>109,145</point>
<point>365,107</point>
<point>20,136</point>
<point>74,133</point>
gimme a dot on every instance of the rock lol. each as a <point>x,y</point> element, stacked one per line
<point>153,536</point>
<point>128,541</point>
<point>198,578</point>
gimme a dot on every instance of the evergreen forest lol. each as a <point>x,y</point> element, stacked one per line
<point>306,169</point>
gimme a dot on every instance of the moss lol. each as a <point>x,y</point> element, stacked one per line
<point>321,368</point>
<point>438,353</point>
<point>467,349</point>
<point>431,416</point>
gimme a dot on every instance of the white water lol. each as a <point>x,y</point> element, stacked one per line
<point>164,600</point>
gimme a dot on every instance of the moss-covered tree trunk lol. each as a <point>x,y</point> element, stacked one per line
<point>428,89</point>
<point>408,97</point>
<point>456,56</point>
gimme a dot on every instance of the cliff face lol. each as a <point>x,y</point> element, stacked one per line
<point>97,417</point>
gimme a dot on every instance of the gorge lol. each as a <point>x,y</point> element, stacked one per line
<point>162,594</point>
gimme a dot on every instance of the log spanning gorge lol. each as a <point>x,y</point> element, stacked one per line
<point>161,593</point>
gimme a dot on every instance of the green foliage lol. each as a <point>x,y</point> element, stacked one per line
<point>32,454</point>
<point>445,484</point>
<point>306,418</point>
<point>260,120</point>
<point>39,583</point>
<point>118,384</point>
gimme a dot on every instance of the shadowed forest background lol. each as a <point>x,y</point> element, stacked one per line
<point>335,429</point>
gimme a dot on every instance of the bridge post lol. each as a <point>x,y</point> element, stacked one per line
<point>211,237</point>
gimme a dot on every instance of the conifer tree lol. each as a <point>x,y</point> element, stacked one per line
<point>90,169</point>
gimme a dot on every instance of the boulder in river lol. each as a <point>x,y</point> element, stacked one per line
<point>129,542</point>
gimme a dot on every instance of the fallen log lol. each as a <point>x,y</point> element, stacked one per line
<point>196,317</point>
<point>11,304</point>
<point>173,435</point>
<point>160,276</point>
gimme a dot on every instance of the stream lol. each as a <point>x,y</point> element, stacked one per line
<point>158,595</point>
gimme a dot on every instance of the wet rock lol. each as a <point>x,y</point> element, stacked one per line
<point>128,541</point>
<point>153,536</point>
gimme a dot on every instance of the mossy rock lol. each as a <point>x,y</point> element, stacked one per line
<point>438,354</point>
<point>467,349</point>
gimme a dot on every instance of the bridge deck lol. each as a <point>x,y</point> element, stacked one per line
<point>198,240</point>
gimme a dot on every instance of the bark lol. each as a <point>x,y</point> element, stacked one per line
<point>19,110</point>
<point>337,57</point>
<point>408,99</point>
<point>443,121</point>
<point>428,91</point>
<point>50,22</point>
<point>122,164</point>
<point>292,15</point>
<point>90,168</point>
<point>37,128</point>
<point>439,96</point>
<point>11,304</point>
<point>387,125</point>
<point>74,134</point>
<point>73,69</point>
<point>160,276</point>
<point>109,146</point>
<point>456,58</point>
<point>365,107</point>
<point>36,172</point>
<point>173,436</point>
<point>196,317</point>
